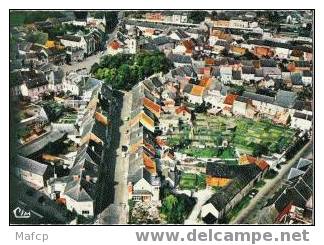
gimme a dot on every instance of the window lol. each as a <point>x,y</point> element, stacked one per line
<point>85,211</point>
<point>136,198</point>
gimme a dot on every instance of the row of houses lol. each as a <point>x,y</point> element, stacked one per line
<point>69,176</point>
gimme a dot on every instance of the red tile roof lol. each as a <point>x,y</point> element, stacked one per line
<point>262,164</point>
<point>153,107</point>
<point>229,100</point>
<point>181,109</point>
<point>115,45</point>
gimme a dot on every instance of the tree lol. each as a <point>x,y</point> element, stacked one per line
<point>259,149</point>
<point>80,14</point>
<point>37,37</point>
<point>198,16</point>
<point>111,20</point>
<point>124,70</point>
<point>94,68</point>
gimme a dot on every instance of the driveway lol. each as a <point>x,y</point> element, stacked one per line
<point>202,196</point>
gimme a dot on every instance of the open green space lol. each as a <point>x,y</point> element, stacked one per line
<point>189,181</point>
<point>236,210</point>
<point>248,136</point>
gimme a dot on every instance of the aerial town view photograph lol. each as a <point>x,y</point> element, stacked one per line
<point>161,117</point>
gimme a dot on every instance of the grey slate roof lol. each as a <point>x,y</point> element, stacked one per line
<point>76,192</point>
<point>294,172</point>
<point>258,97</point>
<point>304,116</point>
<point>236,75</point>
<point>178,58</point>
<point>302,163</point>
<point>30,165</point>
<point>248,70</point>
<point>285,98</point>
<point>298,193</point>
<point>224,195</point>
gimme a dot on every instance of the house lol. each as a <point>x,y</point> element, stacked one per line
<point>178,34</point>
<point>75,54</point>
<point>236,77</point>
<point>185,47</point>
<point>226,198</point>
<point>248,73</point>
<point>194,93</point>
<point>282,53</point>
<point>240,106</point>
<point>115,47</point>
<point>285,99</point>
<point>301,120</point>
<point>183,113</point>
<point>237,50</point>
<point>260,162</point>
<point>180,60</point>
<point>263,51</point>
<point>226,74</point>
<point>272,72</point>
<point>143,186</point>
<point>262,103</point>
<point>307,78</point>
<point>32,172</point>
<point>78,199</point>
<point>74,41</point>
<point>163,43</point>
<point>298,193</point>
<point>34,83</point>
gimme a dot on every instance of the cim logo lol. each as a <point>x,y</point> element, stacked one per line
<point>21,213</point>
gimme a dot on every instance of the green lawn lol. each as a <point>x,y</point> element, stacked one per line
<point>228,153</point>
<point>236,210</point>
<point>189,181</point>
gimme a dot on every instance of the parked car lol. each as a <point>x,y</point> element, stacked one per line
<point>253,193</point>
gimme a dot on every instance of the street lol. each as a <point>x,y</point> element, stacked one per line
<point>121,172</point>
<point>89,61</point>
<point>113,191</point>
<point>105,185</point>
<point>271,185</point>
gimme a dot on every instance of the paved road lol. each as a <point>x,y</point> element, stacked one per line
<point>113,191</point>
<point>122,163</point>
<point>270,185</point>
<point>105,185</point>
<point>89,61</point>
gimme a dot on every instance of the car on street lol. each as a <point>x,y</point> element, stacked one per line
<point>253,193</point>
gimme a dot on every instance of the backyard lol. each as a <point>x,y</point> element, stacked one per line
<point>190,181</point>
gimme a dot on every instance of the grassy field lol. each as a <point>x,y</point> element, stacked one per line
<point>189,181</point>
